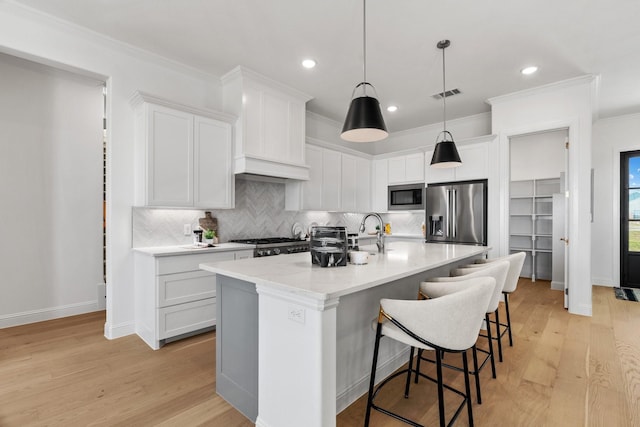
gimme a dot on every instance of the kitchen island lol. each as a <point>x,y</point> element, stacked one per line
<point>294,341</point>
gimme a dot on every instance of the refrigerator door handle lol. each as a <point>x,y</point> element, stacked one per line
<point>447,215</point>
<point>454,212</point>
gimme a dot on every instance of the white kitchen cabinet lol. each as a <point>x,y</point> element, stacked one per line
<point>331,180</point>
<point>406,169</point>
<point>356,184</point>
<point>379,184</point>
<point>173,296</point>
<point>337,182</point>
<point>270,137</point>
<point>363,185</point>
<point>183,155</point>
<point>475,165</point>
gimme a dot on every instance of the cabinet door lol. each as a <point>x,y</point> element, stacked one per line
<point>397,170</point>
<point>433,175</point>
<point>475,162</point>
<point>363,185</point>
<point>331,180</point>
<point>169,157</point>
<point>213,186</point>
<point>350,174</point>
<point>312,189</point>
<point>414,168</point>
<point>380,183</point>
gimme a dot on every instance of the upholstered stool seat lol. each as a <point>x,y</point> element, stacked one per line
<point>437,287</point>
<point>449,324</point>
<point>516,261</point>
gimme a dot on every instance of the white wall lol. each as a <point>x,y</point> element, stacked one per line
<point>537,156</point>
<point>125,70</point>
<point>51,187</point>
<point>567,104</point>
<point>610,137</point>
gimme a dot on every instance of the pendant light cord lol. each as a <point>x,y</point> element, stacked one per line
<point>444,94</point>
<point>364,44</point>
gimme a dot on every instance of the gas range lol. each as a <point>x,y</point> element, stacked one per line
<point>275,245</point>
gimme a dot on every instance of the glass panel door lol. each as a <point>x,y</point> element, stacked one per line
<point>630,219</point>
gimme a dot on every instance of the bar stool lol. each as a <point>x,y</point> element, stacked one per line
<point>437,287</point>
<point>516,261</point>
<point>449,324</point>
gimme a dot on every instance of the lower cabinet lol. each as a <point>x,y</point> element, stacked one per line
<point>174,298</point>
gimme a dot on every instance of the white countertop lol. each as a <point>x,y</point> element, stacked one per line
<point>188,249</point>
<point>295,274</point>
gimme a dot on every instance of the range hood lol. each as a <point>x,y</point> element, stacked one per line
<point>270,131</point>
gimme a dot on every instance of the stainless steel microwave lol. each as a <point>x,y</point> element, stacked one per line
<point>406,197</point>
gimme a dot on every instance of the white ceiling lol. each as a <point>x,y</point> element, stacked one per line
<point>490,42</point>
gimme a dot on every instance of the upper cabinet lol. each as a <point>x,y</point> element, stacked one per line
<point>380,182</point>
<point>407,169</point>
<point>337,182</point>
<point>183,155</point>
<point>475,165</point>
<point>270,132</point>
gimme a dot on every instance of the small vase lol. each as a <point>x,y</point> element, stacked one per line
<point>210,241</point>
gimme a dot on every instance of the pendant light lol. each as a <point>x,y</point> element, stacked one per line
<point>364,122</point>
<point>445,154</point>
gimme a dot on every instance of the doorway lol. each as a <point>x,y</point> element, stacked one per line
<point>537,205</point>
<point>630,219</point>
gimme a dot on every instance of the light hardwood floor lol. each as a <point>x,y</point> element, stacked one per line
<point>563,370</point>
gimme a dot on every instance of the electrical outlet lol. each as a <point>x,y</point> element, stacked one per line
<point>296,314</point>
<point>187,229</point>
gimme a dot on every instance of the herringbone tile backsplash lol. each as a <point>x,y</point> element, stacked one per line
<point>259,212</point>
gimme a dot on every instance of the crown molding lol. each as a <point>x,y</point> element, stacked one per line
<point>320,118</point>
<point>551,87</point>
<point>244,72</point>
<point>139,97</point>
<point>331,146</point>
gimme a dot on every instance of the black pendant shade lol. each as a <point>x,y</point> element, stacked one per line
<point>364,122</point>
<point>445,155</point>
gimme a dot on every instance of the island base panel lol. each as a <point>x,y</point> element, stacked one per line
<point>237,344</point>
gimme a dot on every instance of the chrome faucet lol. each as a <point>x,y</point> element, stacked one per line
<point>379,235</point>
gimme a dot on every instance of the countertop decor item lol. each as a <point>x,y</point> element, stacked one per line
<point>209,223</point>
<point>445,155</point>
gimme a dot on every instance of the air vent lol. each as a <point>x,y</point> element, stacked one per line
<point>447,93</point>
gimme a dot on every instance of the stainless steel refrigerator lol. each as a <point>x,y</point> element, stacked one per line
<point>456,212</point>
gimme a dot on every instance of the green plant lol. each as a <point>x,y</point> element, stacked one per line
<point>209,234</point>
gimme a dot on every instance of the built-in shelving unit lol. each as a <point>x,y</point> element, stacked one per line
<point>531,224</point>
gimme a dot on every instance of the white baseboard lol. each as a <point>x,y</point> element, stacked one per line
<point>118,331</point>
<point>603,281</point>
<point>557,286</point>
<point>360,387</point>
<point>33,316</point>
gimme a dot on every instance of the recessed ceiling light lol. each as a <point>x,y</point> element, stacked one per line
<point>529,70</point>
<point>392,108</point>
<point>308,63</point>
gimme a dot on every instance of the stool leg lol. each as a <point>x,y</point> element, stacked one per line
<point>406,387</point>
<point>499,337</point>
<point>465,366</point>
<point>506,306</point>
<point>477,374</point>
<point>418,364</point>
<point>372,380</point>
<point>493,362</point>
<point>440,388</point>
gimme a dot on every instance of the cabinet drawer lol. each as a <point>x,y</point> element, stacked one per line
<point>183,318</point>
<point>189,262</point>
<point>185,287</point>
